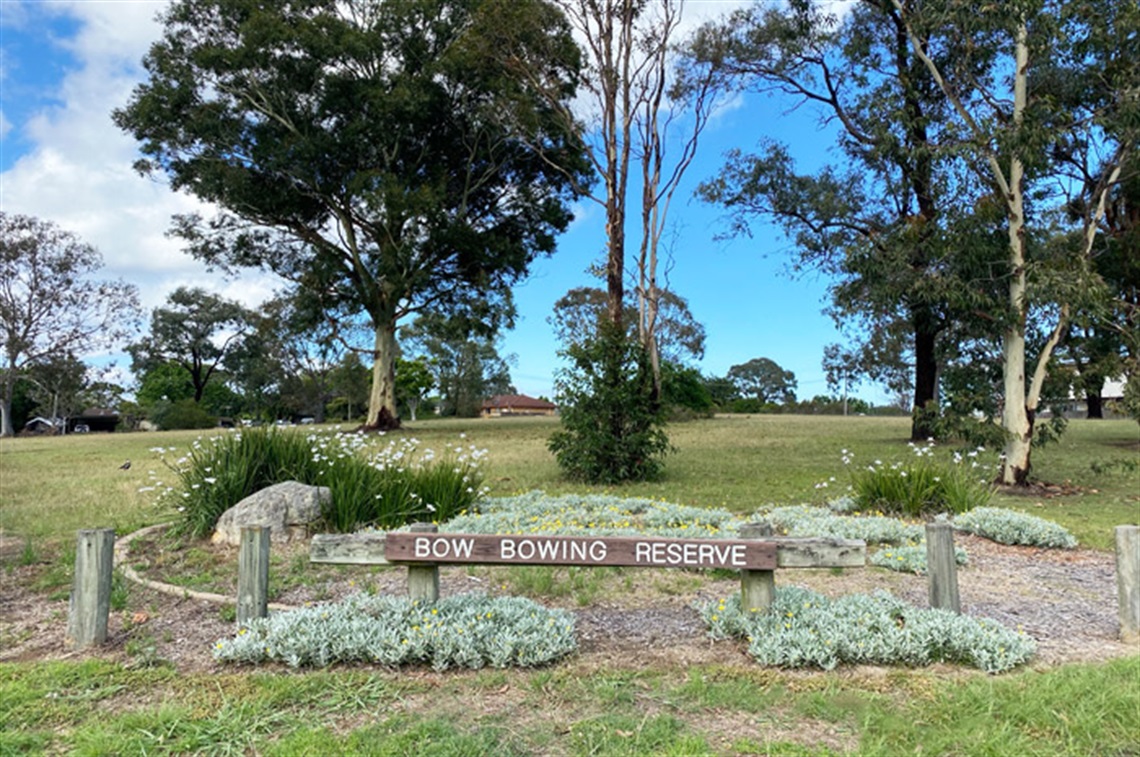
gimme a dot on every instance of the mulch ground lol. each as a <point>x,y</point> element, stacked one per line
<point>1065,599</point>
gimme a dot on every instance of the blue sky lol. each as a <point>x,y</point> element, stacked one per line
<point>65,65</point>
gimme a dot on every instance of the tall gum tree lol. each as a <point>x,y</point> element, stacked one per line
<point>642,125</point>
<point>51,306</point>
<point>1011,127</point>
<point>877,221</point>
<point>379,154</point>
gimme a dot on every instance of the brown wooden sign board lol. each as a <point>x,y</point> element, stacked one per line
<point>633,551</point>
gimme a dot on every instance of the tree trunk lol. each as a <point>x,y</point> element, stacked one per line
<point>382,398</point>
<point>1015,417</point>
<point>925,377</point>
<point>1093,399</point>
<point>9,386</point>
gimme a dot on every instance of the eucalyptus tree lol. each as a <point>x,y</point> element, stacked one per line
<point>382,155</point>
<point>763,379</point>
<point>1028,81</point>
<point>680,338</point>
<point>879,220</point>
<point>463,358</point>
<point>51,306</point>
<point>196,330</point>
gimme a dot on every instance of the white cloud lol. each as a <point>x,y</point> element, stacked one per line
<point>78,172</point>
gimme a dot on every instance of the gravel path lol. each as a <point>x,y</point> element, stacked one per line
<point>1066,600</point>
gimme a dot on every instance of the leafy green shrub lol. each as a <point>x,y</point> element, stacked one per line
<point>1009,527</point>
<point>684,393</point>
<point>469,631</point>
<point>184,414</point>
<point>611,422</point>
<point>805,629</point>
<point>922,485</point>
<point>385,487</point>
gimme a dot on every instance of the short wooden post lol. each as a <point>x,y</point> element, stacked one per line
<point>757,587</point>
<point>253,574</point>
<point>942,567</point>
<point>1128,581</point>
<point>90,603</point>
<point>423,580</point>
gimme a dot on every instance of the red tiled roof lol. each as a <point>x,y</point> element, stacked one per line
<point>518,401</point>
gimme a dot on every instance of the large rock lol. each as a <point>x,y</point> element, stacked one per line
<point>287,508</point>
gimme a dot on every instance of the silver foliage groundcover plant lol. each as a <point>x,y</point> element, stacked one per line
<point>465,631</point>
<point>806,629</point>
<point>1010,527</point>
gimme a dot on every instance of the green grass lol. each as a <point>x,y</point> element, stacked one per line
<point>96,707</point>
<point>52,487</point>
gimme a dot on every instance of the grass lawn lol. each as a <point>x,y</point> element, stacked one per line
<point>51,487</point>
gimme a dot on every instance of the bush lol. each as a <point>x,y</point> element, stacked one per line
<point>684,393</point>
<point>922,486</point>
<point>597,514</point>
<point>184,414</point>
<point>386,487</point>
<point>805,629</point>
<point>611,423</point>
<point>910,558</point>
<point>468,631</point>
<point>804,520</point>
<point>1009,527</point>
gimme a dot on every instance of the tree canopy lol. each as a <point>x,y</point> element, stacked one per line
<point>764,380</point>
<point>196,330</point>
<point>380,154</point>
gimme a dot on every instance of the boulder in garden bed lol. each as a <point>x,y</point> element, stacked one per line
<point>287,508</point>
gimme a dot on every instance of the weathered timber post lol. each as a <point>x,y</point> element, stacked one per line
<point>253,574</point>
<point>1128,580</point>
<point>757,587</point>
<point>90,602</point>
<point>941,567</point>
<point>423,580</point>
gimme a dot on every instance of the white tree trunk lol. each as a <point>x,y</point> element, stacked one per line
<point>1016,419</point>
<point>382,398</point>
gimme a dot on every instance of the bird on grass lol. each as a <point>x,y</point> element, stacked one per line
<point>125,466</point>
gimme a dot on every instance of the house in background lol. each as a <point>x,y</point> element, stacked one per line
<point>516,404</point>
<point>43,426</point>
<point>93,419</point>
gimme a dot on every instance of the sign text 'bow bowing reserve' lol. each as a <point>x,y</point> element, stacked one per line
<point>737,554</point>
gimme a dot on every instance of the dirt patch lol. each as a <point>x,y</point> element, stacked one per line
<point>1066,600</point>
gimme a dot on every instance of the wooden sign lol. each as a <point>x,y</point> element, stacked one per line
<point>633,551</point>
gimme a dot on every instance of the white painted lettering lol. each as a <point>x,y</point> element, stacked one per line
<point>526,549</point>
<point>422,546</point>
<point>597,551</point>
<point>641,552</point>
<point>507,549</point>
<point>463,548</point>
<point>705,554</point>
<point>578,550</point>
<point>548,549</point>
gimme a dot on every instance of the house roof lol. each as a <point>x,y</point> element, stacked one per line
<point>517,401</point>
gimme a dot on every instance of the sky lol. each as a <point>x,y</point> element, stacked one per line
<point>64,66</point>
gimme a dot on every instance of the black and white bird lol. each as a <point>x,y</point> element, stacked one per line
<point>125,466</point>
